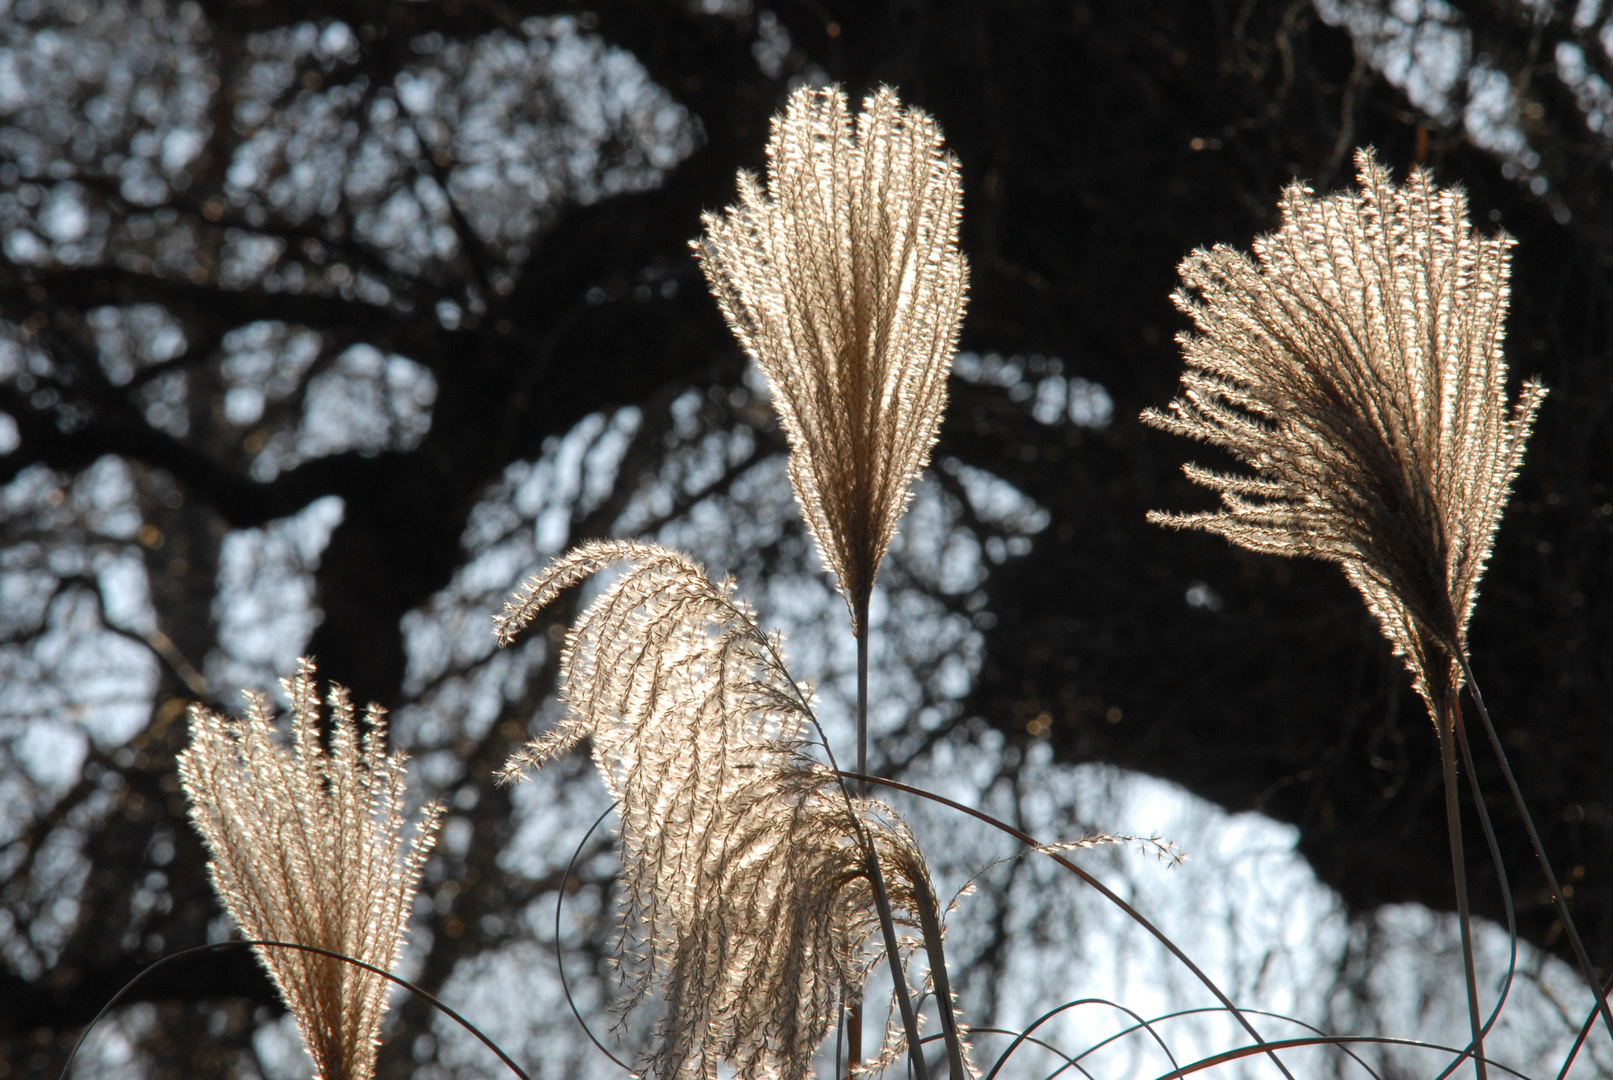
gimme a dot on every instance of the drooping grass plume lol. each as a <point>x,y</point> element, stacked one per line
<point>843,280</point>
<point>1355,365</point>
<point>309,846</point>
<point>748,897</point>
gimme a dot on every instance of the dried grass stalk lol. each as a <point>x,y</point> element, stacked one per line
<point>1355,365</point>
<point>843,280</point>
<point>748,902</point>
<point>308,847</point>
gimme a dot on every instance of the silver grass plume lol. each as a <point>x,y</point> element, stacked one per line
<point>843,280</point>
<point>1357,369</point>
<point>308,847</point>
<point>748,907</point>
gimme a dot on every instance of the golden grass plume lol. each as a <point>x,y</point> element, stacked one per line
<point>844,282</point>
<point>749,907</point>
<point>308,847</point>
<point>1355,365</point>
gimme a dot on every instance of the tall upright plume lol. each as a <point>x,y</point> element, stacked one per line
<point>743,860</point>
<point>1356,367</point>
<point>844,282</point>
<point>308,847</point>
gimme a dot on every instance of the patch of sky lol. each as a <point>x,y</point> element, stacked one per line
<point>499,989</point>
<point>363,400</point>
<point>1039,383</point>
<point>511,126</point>
<point>115,90</point>
<point>264,362</point>
<point>462,685</point>
<point>1425,48</point>
<point>266,600</point>
<point>1591,91</point>
<point>74,610</point>
<point>279,1048</point>
<point>130,339</point>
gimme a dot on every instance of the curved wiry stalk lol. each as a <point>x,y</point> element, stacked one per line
<point>559,962</point>
<point>1104,890</point>
<point>1449,718</point>
<point>216,946</point>
<point>1333,1040</point>
<point>1501,880</point>
<point>1585,966</point>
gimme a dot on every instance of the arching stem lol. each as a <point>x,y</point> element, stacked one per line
<point>1450,717</point>
<point>1557,898</point>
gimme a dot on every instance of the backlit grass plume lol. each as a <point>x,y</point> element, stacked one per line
<point>844,281</point>
<point>1355,366</point>
<point>308,847</point>
<point>749,904</point>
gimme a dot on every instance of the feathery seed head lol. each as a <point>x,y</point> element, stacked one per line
<point>1355,365</point>
<point>844,282</point>
<point>308,847</point>
<point>743,863</point>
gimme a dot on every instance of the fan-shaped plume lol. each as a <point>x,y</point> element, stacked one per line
<point>843,280</point>
<point>1356,367</point>
<point>308,847</point>
<point>743,866</point>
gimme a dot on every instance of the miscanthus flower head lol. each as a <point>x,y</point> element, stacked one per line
<point>1355,366</point>
<point>842,278</point>
<point>748,903</point>
<point>309,847</point>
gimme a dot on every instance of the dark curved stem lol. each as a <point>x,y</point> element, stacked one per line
<point>1103,890</point>
<point>1331,1040</point>
<point>1069,1062</point>
<point>219,945</point>
<point>1449,718</point>
<point>904,998</point>
<point>1022,1037</point>
<point>1142,1024</point>
<point>930,924</point>
<point>1584,1033</point>
<point>1501,881</point>
<point>887,924</point>
<point>559,962</point>
<point>1585,967</point>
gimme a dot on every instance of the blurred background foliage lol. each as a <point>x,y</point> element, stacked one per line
<point>324,321</point>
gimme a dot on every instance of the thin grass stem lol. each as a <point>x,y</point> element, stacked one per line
<point>1584,1033</point>
<point>1107,893</point>
<point>1585,966</point>
<point>887,924</point>
<point>1501,880</point>
<point>1332,1040</point>
<point>1142,1024</point>
<point>1022,1037</point>
<point>854,1024</point>
<point>217,946</point>
<point>930,925</point>
<point>559,961</point>
<point>1450,716</point>
<point>904,998</point>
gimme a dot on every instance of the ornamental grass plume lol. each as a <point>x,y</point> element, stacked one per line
<point>308,847</point>
<point>843,280</point>
<point>1356,367</point>
<point>748,899</point>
